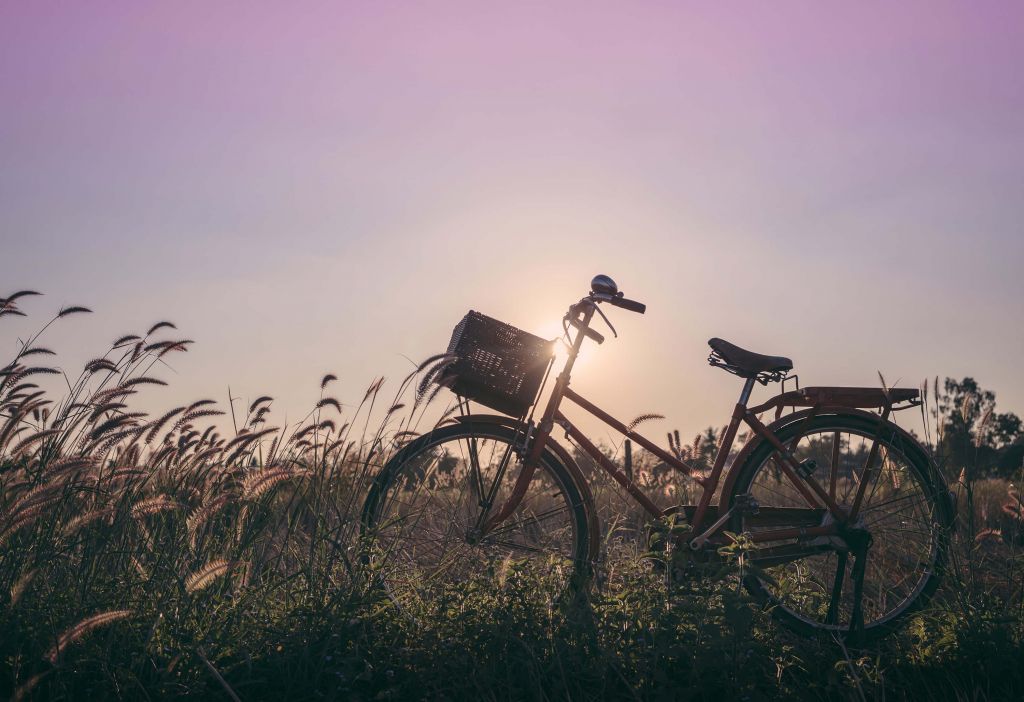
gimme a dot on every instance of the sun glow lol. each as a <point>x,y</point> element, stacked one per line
<point>554,331</point>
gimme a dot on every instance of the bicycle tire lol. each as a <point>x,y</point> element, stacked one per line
<point>415,563</point>
<point>797,597</point>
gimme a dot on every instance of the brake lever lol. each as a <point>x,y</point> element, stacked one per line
<point>606,321</point>
<point>572,319</point>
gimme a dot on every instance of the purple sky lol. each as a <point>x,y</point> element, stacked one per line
<point>329,186</point>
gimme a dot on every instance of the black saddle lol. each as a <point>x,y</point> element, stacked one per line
<point>743,363</point>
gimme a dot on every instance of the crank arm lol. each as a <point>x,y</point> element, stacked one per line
<point>698,542</point>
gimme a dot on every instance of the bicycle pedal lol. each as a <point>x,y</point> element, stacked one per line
<point>806,468</point>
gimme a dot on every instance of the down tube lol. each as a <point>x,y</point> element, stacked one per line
<point>609,467</point>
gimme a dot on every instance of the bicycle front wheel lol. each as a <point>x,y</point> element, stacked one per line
<point>424,511</point>
<point>903,514</point>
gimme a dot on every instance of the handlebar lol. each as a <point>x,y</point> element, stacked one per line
<point>618,300</point>
<point>631,305</point>
<point>607,294</point>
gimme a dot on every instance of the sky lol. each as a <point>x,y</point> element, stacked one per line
<point>310,187</point>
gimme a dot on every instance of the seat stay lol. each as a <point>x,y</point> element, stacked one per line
<point>790,467</point>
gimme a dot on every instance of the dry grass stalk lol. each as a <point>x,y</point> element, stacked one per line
<point>192,415</point>
<point>121,420</point>
<point>160,325</point>
<point>25,444</point>
<point>966,407</point>
<point>139,568</point>
<point>637,421</point>
<point>259,401</point>
<point>982,429</point>
<point>79,630</point>
<point>153,505</point>
<point>329,402</point>
<point>26,688</point>
<point>83,520</point>
<point>39,495</point>
<point>207,574</point>
<point>125,340</point>
<point>258,484</point>
<point>994,536</point>
<point>75,309</point>
<point>158,424</point>
<point>125,474</point>
<point>204,513</point>
<point>216,674</point>
<point>21,585</point>
<point>69,465</point>
<point>100,364</point>
<point>1014,506</point>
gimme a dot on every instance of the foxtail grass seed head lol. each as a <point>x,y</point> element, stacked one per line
<point>206,575</point>
<point>82,628</point>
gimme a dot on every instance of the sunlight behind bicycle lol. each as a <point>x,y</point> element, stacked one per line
<point>828,479</point>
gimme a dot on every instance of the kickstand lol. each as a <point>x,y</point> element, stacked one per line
<point>856,633</point>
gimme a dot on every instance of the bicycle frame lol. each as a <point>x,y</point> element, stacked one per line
<point>794,522</point>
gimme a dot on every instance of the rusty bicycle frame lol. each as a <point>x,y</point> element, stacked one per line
<point>794,523</point>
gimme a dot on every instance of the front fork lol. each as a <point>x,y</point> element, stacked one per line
<point>535,449</point>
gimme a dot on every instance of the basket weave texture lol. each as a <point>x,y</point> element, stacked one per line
<point>496,364</point>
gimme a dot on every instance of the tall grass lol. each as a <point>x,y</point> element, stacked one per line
<point>211,552</point>
<point>169,531</point>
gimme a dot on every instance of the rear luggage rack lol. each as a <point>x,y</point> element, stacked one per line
<point>861,398</point>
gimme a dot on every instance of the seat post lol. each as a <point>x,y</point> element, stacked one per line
<point>748,386</point>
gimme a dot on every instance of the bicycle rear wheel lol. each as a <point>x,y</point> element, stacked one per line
<point>903,516</point>
<point>423,510</point>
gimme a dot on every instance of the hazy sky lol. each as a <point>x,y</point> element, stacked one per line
<point>311,187</point>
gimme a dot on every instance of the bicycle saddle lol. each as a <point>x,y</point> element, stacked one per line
<point>748,363</point>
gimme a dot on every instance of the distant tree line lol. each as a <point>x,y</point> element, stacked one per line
<point>971,435</point>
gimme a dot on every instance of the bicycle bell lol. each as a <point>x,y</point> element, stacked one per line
<point>603,284</point>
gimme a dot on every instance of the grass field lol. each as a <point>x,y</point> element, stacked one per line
<point>148,557</point>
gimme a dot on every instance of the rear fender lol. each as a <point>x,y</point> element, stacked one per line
<point>563,457</point>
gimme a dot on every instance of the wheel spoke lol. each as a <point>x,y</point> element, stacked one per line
<point>834,468</point>
<point>816,590</point>
<point>532,520</point>
<point>435,490</point>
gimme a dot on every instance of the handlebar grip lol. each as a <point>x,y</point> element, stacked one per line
<point>631,305</point>
<point>591,334</point>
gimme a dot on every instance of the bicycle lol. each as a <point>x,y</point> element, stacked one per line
<point>832,479</point>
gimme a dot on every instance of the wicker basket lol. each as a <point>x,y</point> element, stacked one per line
<point>496,364</point>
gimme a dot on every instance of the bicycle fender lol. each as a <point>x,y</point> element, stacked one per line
<point>567,461</point>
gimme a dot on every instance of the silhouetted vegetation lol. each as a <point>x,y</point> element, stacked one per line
<point>972,434</point>
<point>160,556</point>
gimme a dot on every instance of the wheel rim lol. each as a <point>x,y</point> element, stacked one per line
<point>897,511</point>
<point>425,520</point>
